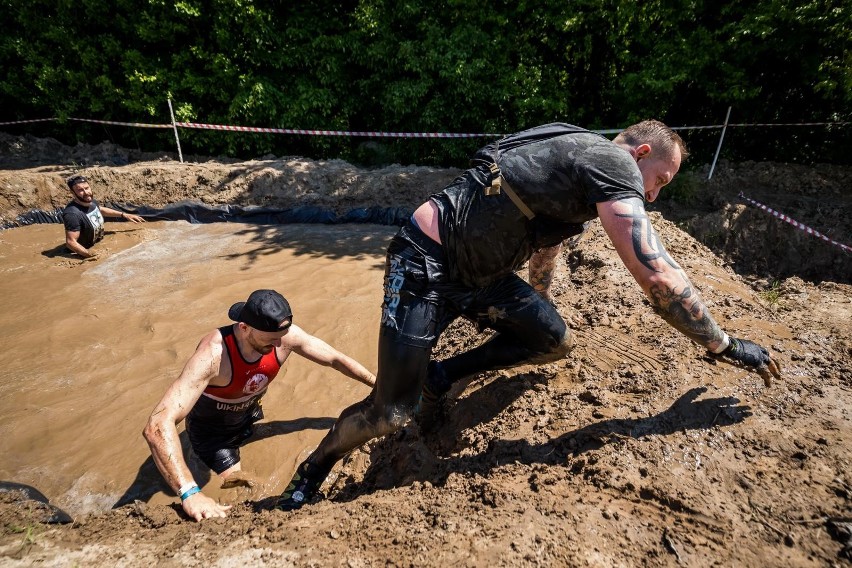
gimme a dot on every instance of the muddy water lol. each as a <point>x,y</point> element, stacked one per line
<point>88,348</point>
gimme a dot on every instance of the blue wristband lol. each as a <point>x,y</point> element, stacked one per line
<point>189,492</point>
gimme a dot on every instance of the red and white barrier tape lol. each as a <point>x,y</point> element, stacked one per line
<point>795,223</point>
<point>334,132</point>
<point>792,124</point>
<point>136,124</point>
<point>310,132</point>
<point>27,121</point>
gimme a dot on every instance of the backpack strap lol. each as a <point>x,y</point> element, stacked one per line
<point>498,183</point>
<point>516,199</point>
<point>496,180</point>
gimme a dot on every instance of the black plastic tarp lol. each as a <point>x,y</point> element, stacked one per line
<point>200,213</point>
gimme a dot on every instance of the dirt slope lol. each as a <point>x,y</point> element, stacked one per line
<point>636,450</point>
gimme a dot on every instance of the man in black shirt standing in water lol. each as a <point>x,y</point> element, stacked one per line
<point>84,218</point>
<point>524,195</point>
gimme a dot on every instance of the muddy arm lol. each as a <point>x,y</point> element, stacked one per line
<point>161,430</point>
<point>110,212</point>
<point>319,351</point>
<point>664,282</point>
<point>542,267</point>
<point>73,244</point>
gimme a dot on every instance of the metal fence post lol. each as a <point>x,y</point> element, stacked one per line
<point>719,147</point>
<point>174,126</point>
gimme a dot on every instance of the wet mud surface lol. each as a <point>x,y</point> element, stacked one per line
<point>636,449</point>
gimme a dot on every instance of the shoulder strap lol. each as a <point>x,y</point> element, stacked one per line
<point>498,182</point>
<point>519,203</point>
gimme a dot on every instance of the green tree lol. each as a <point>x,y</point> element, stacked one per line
<point>428,65</point>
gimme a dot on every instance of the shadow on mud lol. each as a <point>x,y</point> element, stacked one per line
<point>409,456</point>
<point>686,413</point>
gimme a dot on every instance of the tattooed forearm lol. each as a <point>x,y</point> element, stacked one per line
<point>687,313</point>
<point>541,281</point>
<point>665,283</point>
<point>646,241</point>
<point>542,268</point>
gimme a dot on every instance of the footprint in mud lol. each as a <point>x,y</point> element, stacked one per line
<point>244,486</point>
<point>240,479</point>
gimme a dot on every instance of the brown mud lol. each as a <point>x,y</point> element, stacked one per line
<point>635,450</point>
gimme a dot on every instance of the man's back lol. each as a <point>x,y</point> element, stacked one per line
<point>559,171</point>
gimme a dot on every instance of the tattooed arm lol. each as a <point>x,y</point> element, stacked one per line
<point>663,281</point>
<point>669,289</point>
<point>542,267</point>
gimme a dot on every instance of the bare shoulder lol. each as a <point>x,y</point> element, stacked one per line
<point>211,343</point>
<point>295,336</point>
<point>208,358</point>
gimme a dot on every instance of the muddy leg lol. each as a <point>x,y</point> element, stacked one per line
<point>401,373</point>
<point>530,330</point>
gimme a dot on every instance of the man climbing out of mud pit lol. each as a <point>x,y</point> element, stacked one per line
<point>523,196</point>
<point>84,218</point>
<point>219,392</point>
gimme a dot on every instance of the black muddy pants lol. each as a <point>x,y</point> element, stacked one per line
<point>419,303</point>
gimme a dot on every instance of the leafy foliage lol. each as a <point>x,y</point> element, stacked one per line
<point>420,66</point>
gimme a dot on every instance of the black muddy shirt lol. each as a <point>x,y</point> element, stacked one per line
<point>87,219</point>
<point>560,171</point>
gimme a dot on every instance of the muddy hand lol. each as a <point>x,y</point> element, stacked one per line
<point>753,356</point>
<point>769,370</point>
<point>200,507</point>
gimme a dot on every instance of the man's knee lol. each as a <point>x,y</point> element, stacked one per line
<point>231,470</point>
<point>383,419</point>
<point>560,346</point>
<point>394,417</point>
<point>564,345</point>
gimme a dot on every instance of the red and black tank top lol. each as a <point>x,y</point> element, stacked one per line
<point>248,380</point>
<point>237,403</point>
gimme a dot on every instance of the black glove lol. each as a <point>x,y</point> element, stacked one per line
<point>751,355</point>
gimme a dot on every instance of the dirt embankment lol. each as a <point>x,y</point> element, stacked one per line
<point>635,450</point>
<point>32,171</point>
<point>757,243</point>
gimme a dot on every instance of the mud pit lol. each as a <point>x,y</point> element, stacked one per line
<point>635,450</point>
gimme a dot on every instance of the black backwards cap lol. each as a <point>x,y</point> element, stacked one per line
<point>74,180</point>
<point>265,310</point>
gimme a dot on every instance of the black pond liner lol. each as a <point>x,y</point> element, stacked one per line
<point>200,213</point>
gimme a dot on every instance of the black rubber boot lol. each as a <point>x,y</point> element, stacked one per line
<point>303,488</point>
<point>430,411</point>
